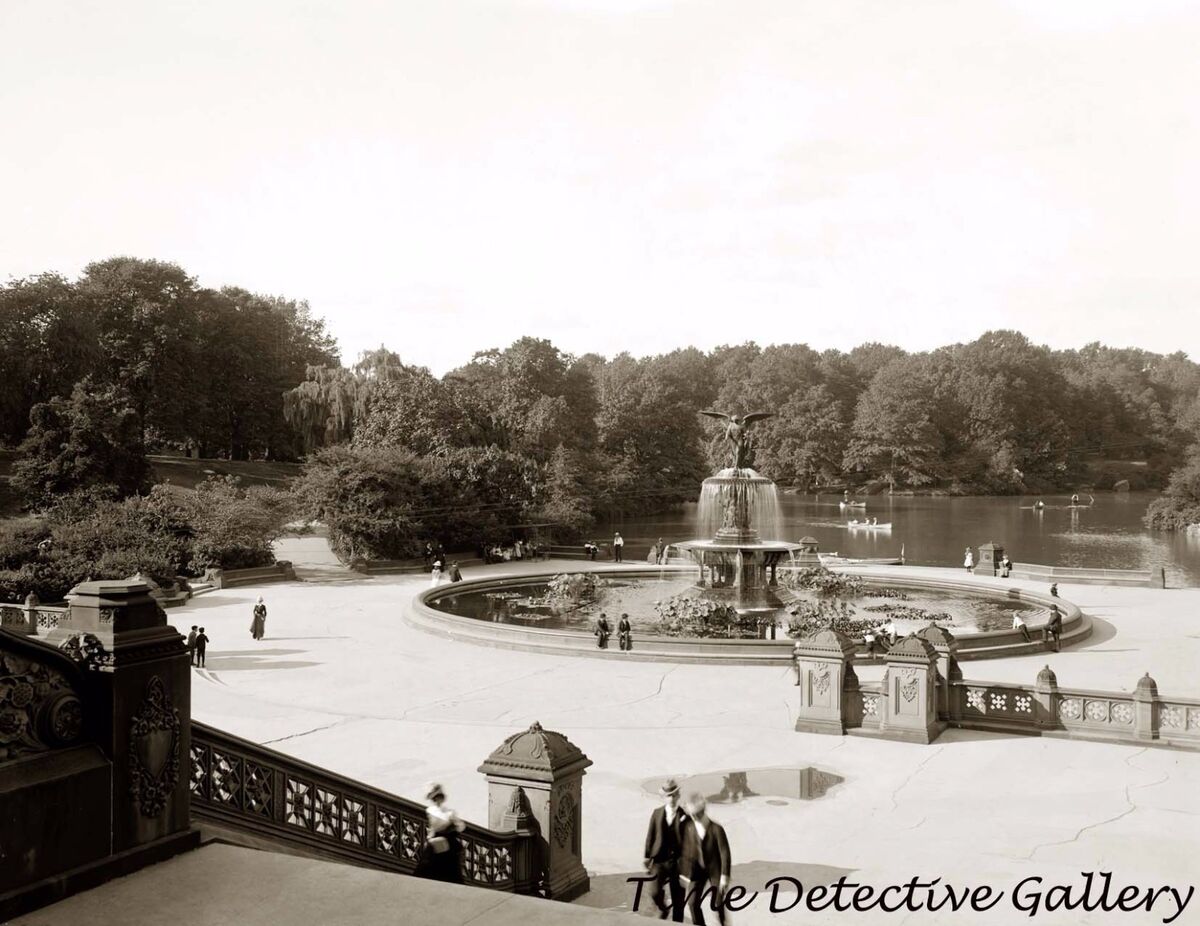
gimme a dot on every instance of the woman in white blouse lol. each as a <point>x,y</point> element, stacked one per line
<point>441,857</point>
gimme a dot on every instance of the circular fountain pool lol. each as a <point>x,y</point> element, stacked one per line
<point>503,612</point>
<point>526,604</point>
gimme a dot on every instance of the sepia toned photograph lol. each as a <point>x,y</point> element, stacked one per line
<point>518,462</point>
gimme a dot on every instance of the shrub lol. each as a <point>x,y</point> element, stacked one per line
<point>233,526</point>
<point>1179,506</point>
<point>808,617</point>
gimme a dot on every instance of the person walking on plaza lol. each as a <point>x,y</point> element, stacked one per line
<point>201,646</point>
<point>258,626</point>
<point>618,545</point>
<point>664,848</point>
<point>455,573</point>
<point>603,631</point>
<point>441,856</point>
<point>1053,632</point>
<point>191,645</point>
<point>428,555</point>
<point>969,560</point>
<point>705,861</point>
<point>435,575</point>
<point>624,634</point>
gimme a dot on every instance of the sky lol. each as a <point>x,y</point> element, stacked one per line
<point>446,176</point>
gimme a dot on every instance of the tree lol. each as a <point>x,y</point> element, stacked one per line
<point>893,435</point>
<point>47,343</point>
<point>91,440</point>
<point>1179,506</point>
<point>804,443</point>
<point>564,496</point>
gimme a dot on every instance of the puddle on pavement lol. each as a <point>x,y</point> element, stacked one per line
<point>804,784</point>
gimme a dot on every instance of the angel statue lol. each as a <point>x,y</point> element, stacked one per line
<point>736,434</point>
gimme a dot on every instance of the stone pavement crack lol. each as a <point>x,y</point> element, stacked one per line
<point>1091,826</point>
<point>292,736</point>
<point>913,774</point>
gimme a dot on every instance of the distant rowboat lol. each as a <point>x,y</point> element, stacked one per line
<point>868,526</point>
<point>852,504</point>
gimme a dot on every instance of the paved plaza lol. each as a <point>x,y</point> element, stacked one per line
<point>342,681</point>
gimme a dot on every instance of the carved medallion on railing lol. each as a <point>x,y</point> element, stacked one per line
<point>154,749</point>
<point>39,708</point>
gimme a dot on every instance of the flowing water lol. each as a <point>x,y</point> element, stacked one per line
<point>935,531</point>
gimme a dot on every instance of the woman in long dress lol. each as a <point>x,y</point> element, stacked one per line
<point>968,559</point>
<point>435,577</point>
<point>258,626</point>
<point>441,856</point>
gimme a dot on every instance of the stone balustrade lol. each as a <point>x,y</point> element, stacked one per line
<point>923,692</point>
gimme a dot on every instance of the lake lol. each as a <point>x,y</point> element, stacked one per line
<point>935,530</point>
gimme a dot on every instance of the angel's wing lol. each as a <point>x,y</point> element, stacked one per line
<point>720,415</point>
<point>757,416</point>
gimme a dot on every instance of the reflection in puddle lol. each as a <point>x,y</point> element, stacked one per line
<point>805,784</point>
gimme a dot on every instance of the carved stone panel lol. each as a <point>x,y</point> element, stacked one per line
<point>154,749</point>
<point>39,708</point>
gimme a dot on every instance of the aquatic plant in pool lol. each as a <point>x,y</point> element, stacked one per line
<point>689,615</point>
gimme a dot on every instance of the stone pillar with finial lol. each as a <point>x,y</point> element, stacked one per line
<point>948,672</point>
<point>824,677</point>
<point>535,785</point>
<point>1045,689</point>
<point>1145,709</point>
<point>911,684</point>
<point>139,665</point>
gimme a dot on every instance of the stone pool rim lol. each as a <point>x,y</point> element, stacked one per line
<point>978,645</point>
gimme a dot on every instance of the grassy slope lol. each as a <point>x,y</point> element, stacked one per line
<point>179,472</point>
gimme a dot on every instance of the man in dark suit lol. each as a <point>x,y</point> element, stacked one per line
<point>705,861</point>
<point>664,846</point>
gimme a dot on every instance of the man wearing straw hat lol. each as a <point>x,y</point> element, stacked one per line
<point>664,846</point>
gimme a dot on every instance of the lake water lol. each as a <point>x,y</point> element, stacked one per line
<point>935,531</point>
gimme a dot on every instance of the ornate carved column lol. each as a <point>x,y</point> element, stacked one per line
<point>1045,688</point>
<point>141,687</point>
<point>911,680</point>
<point>824,676</point>
<point>535,781</point>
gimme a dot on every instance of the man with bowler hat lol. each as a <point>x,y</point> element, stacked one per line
<point>664,846</point>
<point>705,861</point>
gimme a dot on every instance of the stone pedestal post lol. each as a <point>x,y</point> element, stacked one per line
<point>1145,708</point>
<point>990,555</point>
<point>911,706</point>
<point>948,672</point>
<point>141,686</point>
<point>823,674</point>
<point>1045,689</point>
<point>535,783</point>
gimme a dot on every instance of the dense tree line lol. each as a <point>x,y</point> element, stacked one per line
<point>135,356</point>
<point>198,369</point>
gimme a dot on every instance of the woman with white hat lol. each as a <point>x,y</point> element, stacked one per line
<point>441,857</point>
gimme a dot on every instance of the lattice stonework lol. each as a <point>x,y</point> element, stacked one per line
<point>387,833</point>
<point>1171,717</point>
<point>260,790</point>
<point>226,778</point>
<point>329,813</point>
<point>1193,718</point>
<point>1070,709</point>
<point>1122,712</point>
<point>354,821</point>
<point>975,699</point>
<point>1023,704</point>
<point>870,705</point>
<point>298,803</point>
<point>199,777</point>
<point>412,838</point>
<point>486,864</point>
<point>999,701</point>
